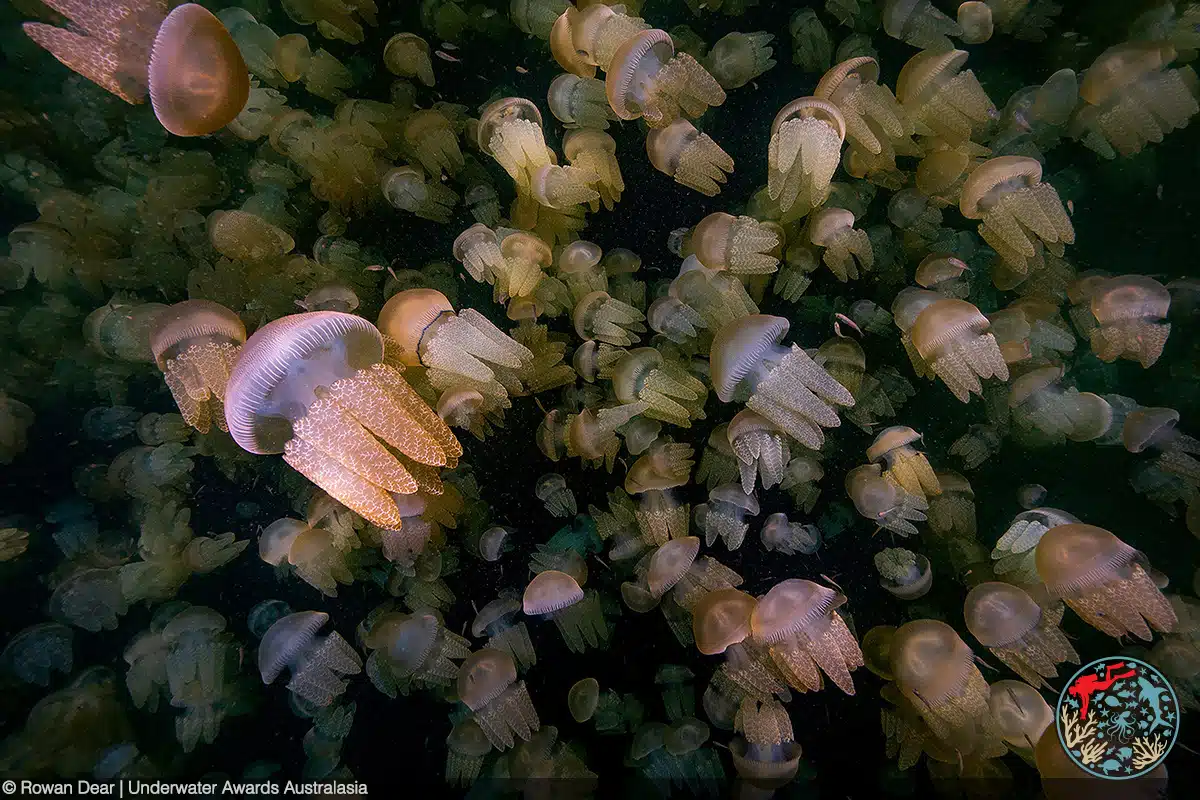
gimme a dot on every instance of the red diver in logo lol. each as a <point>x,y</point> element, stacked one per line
<point>1086,685</point>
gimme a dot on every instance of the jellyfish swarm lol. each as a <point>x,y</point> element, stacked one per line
<point>195,344</point>
<point>185,60</point>
<point>313,386</point>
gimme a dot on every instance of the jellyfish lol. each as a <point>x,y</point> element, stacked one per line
<point>724,515</point>
<point>38,651</point>
<point>1131,312</point>
<point>594,152</point>
<point>1103,580</point>
<point>903,573</point>
<point>716,295</point>
<point>525,254</point>
<point>677,567</point>
<point>919,23</point>
<point>314,387</point>
<point>940,98</point>
<point>1155,428</point>
<point>673,394</point>
<point>812,48</point>
<point>784,385</point>
<point>90,598</point>
<point>721,625</point>
<point>718,462</point>
<point>846,249</point>
<point>196,343</point>
<point>497,620</point>
<point>510,130</point>
<point>592,434</point>
<point>407,189</point>
<point>952,511</point>
<point>554,493</point>
<point>407,55</point>
<point>500,704</point>
<point>943,273</point>
<point>466,748</point>
<point>876,126</point>
<point>936,672</point>
<point>798,621</point>
<point>1019,632</point>
<point>738,58</point>
<point>317,664</point>
<point>905,465</point>
<point>804,151</point>
<point>1021,714</point>
<point>13,542</point>
<point>411,648</point>
<point>577,614</point>
<point>975,21</point>
<point>1037,401</point>
<point>884,502</point>
<point>741,245</point>
<point>647,79</point>
<point>761,449</point>
<point>800,480</point>
<point>1130,98</point>
<point>692,158</point>
<point>579,102</point>
<point>185,60</point>
<point>1018,210</point>
<point>600,316</point>
<point>677,321</point>
<point>951,339</point>
<point>1014,553</point>
<point>789,538</point>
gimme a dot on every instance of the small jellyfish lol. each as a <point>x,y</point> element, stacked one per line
<point>738,58</point>
<point>718,462</point>
<point>554,493</point>
<point>664,466</point>
<point>577,614</point>
<point>800,480</point>
<point>1019,632</point>
<point>483,203</point>
<point>903,573</point>
<point>582,699</point>
<point>592,434</point>
<point>313,386</point>
<point>91,599</point>
<point>36,652</point>
<point>1131,311</point>
<point>1014,553</point>
<point>312,551</point>
<point>951,338</point>
<point>936,672</point>
<point>185,60</point>
<point>876,126</point>
<point>674,395</point>
<point>1031,495</point>
<point>1103,580</point>
<point>407,55</point>
<point>195,344</point>
<point>677,321</point>
<point>789,538</point>
<point>317,664</point>
<point>600,316</point>
<point>407,189</point>
<point>330,297</point>
<point>677,568</point>
<point>943,273</point>
<point>647,79</point>
<point>846,249</point>
<point>497,620</point>
<point>741,245</point>
<point>765,755</point>
<point>804,151</point>
<point>904,464</point>
<point>919,23</point>
<point>941,98</point>
<point>884,502</point>
<point>510,130</point>
<point>500,704</point>
<point>595,152</point>
<point>692,158</point>
<point>411,648</point>
<point>579,102</point>
<point>466,748</point>
<point>784,385</point>
<point>952,512</point>
<point>1037,401</point>
<point>799,623</point>
<point>1020,212</point>
<point>724,515</point>
<point>761,448</point>
<point>1021,714</point>
<point>478,249</point>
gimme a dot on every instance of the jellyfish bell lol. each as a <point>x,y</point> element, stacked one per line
<point>185,60</point>
<point>722,619</point>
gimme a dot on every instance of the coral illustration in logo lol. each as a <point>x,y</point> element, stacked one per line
<point>1117,718</point>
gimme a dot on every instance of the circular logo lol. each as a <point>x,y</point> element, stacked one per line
<point>1117,718</point>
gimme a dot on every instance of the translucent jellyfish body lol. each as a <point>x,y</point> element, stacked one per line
<point>1130,98</point>
<point>799,623</point>
<point>884,502</point>
<point>919,23</point>
<point>783,384</point>
<point>317,664</point>
<point>1103,580</point>
<point>952,511</point>
<point>592,434</point>
<point>671,392</point>
<point>579,102</point>
<point>409,649</point>
<point>600,316</point>
<point>1037,401</point>
<point>1131,312</point>
<point>781,535</point>
<point>941,98</point>
<point>185,60</point>
<point>577,614</point>
<point>950,338</point>
<point>765,755</point>
<point>594,152</point>
<point>903,573</point>
<point>1026,637</point>
<point>313,386</point>
<point>36,652</point>
<point>466,748</point>
<point>497,620</point>
<point>761,449</point>
<point>1021,714</point>
<point>676,567</point>
<point>846,250</point>
<point>804,151</point>
<point>647,79</point>
<point>455,347</point>
<point>407,189</point>
<point>725,515</point>
<point>554,493</point>
<point>905,465</point>
<point>738,58</point>
<point>876,126</point>
<point>718,462</point>
<point>692,158</point>
<point>500,704</point>
<point>1014,553</point>
<point>935,670</point>
<point>1018,210</point>
<point>741,245</point>
<point>664,466</point>
<point>510,131</point>
<point>407,55</point>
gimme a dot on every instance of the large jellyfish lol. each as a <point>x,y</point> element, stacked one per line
<point>313,386</point>
<point>185,60</point>
<point>647,79</point>
<point>951,338</point>
<point>195,344</point>
<point>798,622</point>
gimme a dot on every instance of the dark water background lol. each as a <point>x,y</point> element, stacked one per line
<point>1132,215</point>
